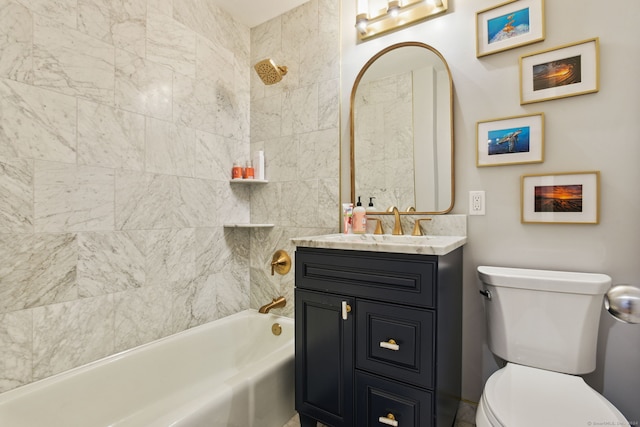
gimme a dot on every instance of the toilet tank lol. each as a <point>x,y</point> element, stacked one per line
<point>544,319</point>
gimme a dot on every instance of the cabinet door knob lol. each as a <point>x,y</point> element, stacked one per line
<point>346,309</point>
<point>391,345</point>
<point>389,420</point>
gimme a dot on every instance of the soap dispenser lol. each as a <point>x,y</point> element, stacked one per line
<point>371,208</point>
<point>359,218</point>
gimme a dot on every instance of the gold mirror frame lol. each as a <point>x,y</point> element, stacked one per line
<point>352,125</point>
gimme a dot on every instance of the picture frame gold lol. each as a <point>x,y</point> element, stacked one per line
<point>509,25</point>
<point>511,140</point>
<point>560,72</point>
<point>560,198</point>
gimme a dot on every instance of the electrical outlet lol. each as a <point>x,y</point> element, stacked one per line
<point>476,203</point>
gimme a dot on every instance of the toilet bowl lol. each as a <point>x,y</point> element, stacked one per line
<point>522,396</point>
<point>544,324</point>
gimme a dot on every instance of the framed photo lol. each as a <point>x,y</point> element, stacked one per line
<point>508,25</point>
<point>560,72</point>
<point>510,141</point>
<point>565,198</point>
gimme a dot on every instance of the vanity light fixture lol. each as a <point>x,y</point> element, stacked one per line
<point>396,14</point>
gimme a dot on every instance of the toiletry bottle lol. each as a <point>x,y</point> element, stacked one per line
<point>258,165</point>
<point>371,208</point>
<point>248,171</point>
<point>347,216</point>
<point>236,171</point>
<point>359,218</point>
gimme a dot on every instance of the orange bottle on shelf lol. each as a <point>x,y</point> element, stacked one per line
<point>236,171</point>
<point>248,171</point>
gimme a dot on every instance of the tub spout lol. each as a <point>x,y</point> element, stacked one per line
<point>276,303</point>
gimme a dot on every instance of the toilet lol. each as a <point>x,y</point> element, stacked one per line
<point>544,324</point>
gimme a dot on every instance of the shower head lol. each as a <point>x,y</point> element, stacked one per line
<point>269,72</point>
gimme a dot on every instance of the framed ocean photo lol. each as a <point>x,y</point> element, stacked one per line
<point>560,72</point>
<point>510,140</point>
<point>509,25</point>
<point>561,198</point>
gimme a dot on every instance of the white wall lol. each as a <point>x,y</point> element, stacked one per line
<point>590,132</point>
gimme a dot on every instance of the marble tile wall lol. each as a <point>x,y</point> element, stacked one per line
<point>296,123</point>
<point>119,122</point>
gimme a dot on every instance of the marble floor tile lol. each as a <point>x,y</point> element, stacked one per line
<point>466,415</point>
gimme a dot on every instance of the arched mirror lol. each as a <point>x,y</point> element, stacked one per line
<point>402,131</point>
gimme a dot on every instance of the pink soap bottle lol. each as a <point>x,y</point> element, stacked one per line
<point>359,218</point>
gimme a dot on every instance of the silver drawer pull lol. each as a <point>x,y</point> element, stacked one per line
<point>391,345</point>
<point>389,420</point>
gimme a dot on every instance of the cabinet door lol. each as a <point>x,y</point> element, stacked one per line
<point>324,357</point>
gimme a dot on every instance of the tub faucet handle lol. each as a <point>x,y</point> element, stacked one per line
<point>281,262</point>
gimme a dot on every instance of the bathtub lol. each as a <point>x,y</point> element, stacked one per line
<point>232,372</point>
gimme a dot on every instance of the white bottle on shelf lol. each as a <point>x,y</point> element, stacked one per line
<point>258,165</point>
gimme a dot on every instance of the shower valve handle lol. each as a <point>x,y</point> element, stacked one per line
<point>280,263</point>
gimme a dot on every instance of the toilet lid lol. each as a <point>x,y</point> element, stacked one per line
<point>521,396</point>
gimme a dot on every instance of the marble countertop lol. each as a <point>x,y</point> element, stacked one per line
<point>425,245</point>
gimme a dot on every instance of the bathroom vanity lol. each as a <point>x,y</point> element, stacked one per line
<point>378,330</point>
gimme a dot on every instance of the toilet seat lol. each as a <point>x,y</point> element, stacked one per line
<point>521,396</point>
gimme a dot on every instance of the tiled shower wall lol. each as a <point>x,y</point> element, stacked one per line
<point>296,123</point>
<point>119,122</point>
<point>385,107</point>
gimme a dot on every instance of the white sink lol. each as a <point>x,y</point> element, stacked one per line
<point>433,245</point>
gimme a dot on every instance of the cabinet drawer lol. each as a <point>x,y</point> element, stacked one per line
<point>380,398</point>
<point>395,341</point>
<point>402,278</point>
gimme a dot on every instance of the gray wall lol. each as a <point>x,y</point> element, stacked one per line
<point>590,132</point>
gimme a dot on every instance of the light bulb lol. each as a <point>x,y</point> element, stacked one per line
<point>362,22</point>
<point>393,8</point>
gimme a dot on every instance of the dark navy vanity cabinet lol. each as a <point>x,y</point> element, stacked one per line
<point>378,337</point>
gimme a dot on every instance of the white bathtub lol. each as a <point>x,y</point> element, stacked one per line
<point>232,372</point>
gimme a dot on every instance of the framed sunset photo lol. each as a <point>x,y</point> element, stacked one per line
<point>561,198</point>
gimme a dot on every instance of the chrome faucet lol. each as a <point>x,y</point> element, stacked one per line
<point>397,227</point>
<point>276,303</point>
